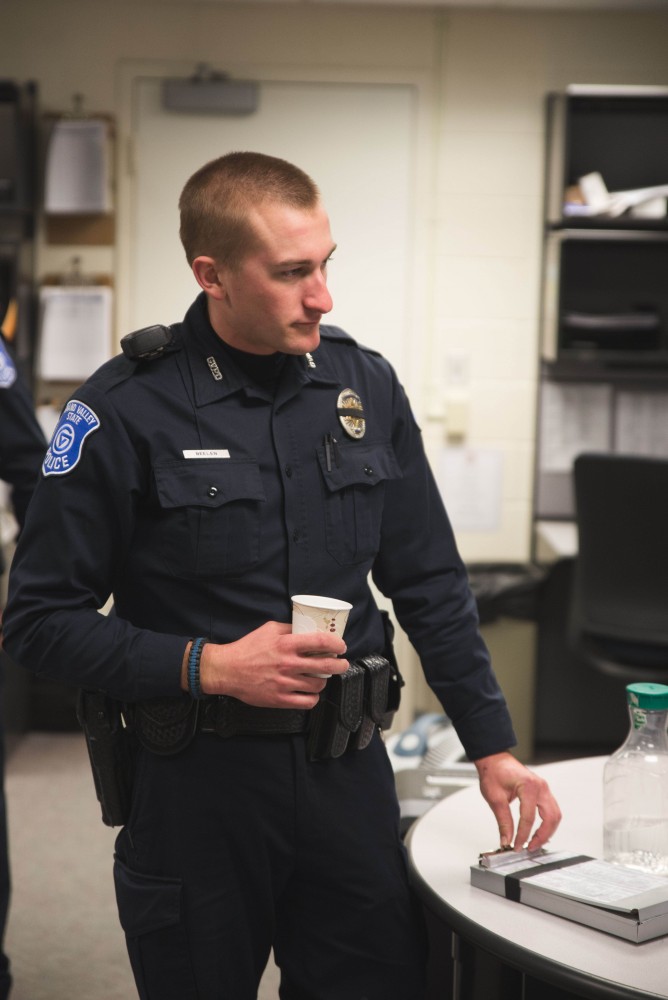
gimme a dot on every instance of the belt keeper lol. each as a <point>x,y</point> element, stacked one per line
<point>194,659</point>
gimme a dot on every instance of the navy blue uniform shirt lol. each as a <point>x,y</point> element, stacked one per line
<point>22,443</point>
<point>202,500</point>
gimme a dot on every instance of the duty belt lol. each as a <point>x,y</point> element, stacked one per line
<point>351,707</point>
<point>229,717</point>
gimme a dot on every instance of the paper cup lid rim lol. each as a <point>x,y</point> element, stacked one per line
<point>318,601</point>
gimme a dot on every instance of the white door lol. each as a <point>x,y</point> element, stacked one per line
<point>357,141</point>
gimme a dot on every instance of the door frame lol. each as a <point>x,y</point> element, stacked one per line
<point>419,281</point>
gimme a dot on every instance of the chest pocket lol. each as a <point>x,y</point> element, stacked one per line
<point>354,496</point>
<point>211,514</point>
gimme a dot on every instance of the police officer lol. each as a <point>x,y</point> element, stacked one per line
<point>219,466</point>
<point>22,448</point>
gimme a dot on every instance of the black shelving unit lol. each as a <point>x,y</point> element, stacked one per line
<point>604,296</point>
<point>603,380</point>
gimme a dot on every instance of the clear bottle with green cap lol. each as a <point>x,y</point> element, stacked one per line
<point>635,785</point>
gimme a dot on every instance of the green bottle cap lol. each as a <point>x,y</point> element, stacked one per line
<point>652,697</point>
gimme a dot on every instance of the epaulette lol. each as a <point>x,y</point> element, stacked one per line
<point>143,345</point>
<point>335,333</point>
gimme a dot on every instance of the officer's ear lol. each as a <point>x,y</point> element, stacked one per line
<point>208,275</point>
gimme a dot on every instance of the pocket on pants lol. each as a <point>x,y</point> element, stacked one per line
<point>150,911</point>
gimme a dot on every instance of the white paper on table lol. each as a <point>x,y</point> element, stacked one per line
<point>78,167</point>
<point>470,481</point>
<point>75,331</point>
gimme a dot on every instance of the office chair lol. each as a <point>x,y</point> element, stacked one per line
<point>619,604</point>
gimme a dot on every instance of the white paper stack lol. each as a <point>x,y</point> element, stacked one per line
<point>77,168</point>
<point>75,331</point>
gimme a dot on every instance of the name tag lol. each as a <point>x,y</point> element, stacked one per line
<point>206,453</point>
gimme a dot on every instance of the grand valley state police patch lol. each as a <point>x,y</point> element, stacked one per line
<point>76,422</point>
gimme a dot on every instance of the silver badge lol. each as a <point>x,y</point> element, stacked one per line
<point>351,413</point>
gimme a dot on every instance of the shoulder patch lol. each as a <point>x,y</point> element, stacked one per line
<point>76,422</point>
<point>7,368</point>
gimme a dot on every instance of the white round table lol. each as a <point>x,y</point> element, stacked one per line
<point>446,841</point>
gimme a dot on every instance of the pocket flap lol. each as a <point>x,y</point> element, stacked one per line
<point>207,483</point>
<point>359,465</point>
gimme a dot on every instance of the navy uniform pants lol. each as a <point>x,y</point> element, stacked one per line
<point>235,846</point>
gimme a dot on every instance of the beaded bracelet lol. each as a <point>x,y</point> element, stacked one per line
<point>194,658</point>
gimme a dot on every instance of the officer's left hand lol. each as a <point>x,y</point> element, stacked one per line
<point>502,780</point>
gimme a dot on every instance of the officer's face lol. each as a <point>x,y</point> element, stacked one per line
<point>274,301</point>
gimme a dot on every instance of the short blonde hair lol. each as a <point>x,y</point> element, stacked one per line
<point>215,202</point>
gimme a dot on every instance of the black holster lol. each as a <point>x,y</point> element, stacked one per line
<point>111,750</point>
<point>396,681</point>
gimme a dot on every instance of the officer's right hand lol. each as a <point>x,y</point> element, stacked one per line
<point>271,667</point>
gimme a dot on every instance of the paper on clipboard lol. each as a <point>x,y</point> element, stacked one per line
<point>77,167</point>
<point>470,481</point>
<point>75,331</point>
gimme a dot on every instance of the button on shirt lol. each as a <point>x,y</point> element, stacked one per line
<point>202,499</point>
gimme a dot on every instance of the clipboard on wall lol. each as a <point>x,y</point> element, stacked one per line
<point>75,325</point>
<point>78,178</point>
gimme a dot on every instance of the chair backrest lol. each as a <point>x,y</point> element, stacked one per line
<point>621,570</point>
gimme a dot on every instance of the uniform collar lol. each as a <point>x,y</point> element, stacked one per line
<point>216,376</point>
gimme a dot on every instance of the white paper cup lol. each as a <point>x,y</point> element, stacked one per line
<point>312,613</point>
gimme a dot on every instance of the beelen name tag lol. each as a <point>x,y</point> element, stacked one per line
<point>206,453</point>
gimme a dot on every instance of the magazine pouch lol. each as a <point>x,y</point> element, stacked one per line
<point>337,715</point>
<point>376,683</point>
